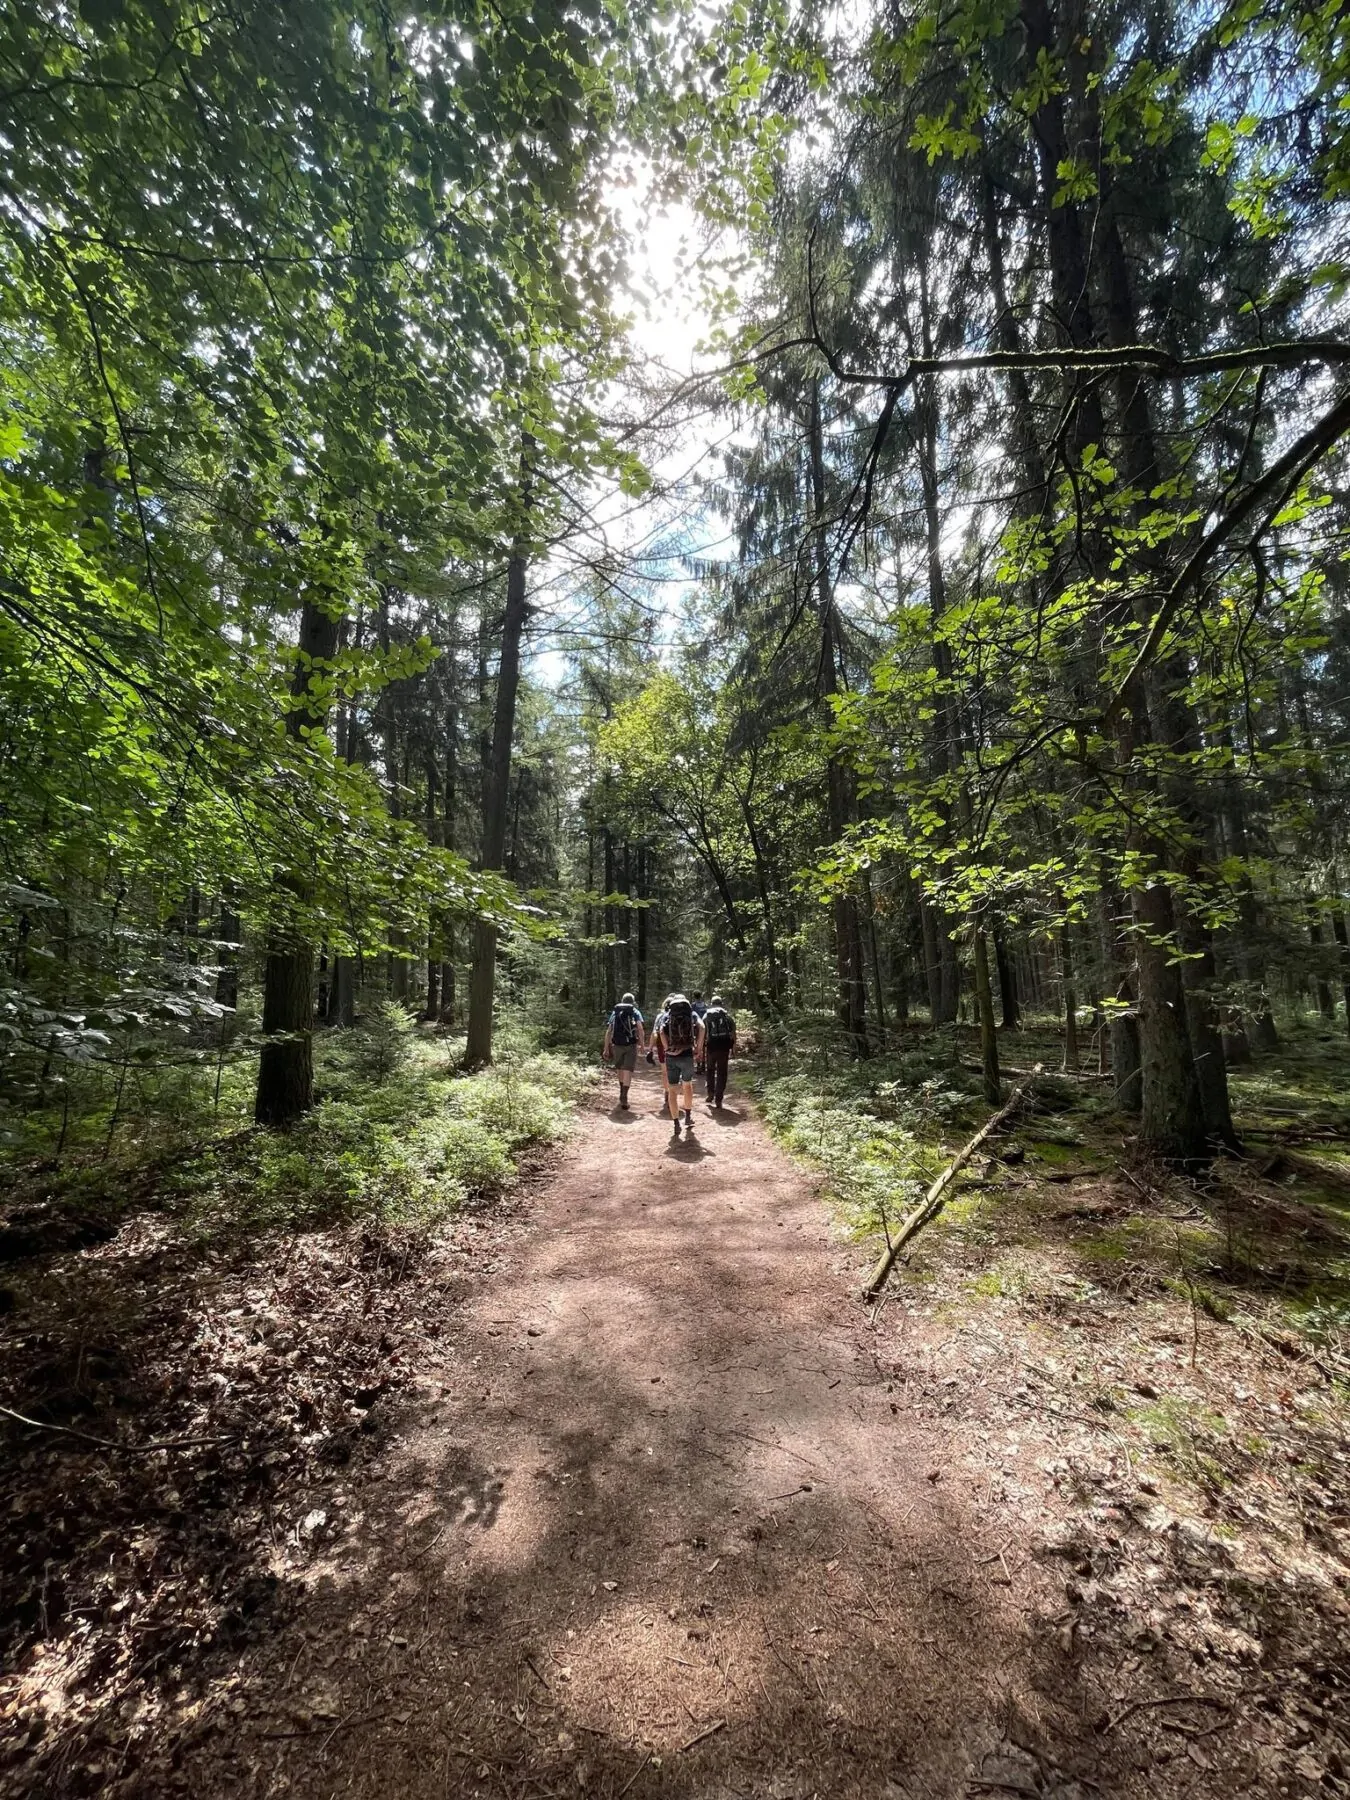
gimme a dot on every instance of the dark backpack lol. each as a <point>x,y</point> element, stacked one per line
<point>680,1028</point>
<point>719,1025</point>
<point>623,1032</point>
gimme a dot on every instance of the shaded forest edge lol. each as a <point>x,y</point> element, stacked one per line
<point>260,1304</point>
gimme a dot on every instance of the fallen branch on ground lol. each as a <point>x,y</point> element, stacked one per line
<point>87,1437</point>
<point>936,1197</point>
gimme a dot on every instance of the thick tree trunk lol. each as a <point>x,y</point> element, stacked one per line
<point>1321,986</point>
<point>852,1001</point>
<point>1007,982</point>
<point>1343,948</point>
<point>496,793</point>
<point>1173,1121</point>
<point>344,992</point>
<point>1122,1027</point>
<point>286,1063</point>
<point>1199,1110</point>
<point>984,1003</point>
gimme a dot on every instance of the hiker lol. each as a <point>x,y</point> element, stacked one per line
<point>719,1040</point>
<point>656,1051</point>
<point>680,1036</point>
<point>700,1006</point>
<point>624,1037</point>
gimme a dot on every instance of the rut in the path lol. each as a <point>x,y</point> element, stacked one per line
<point>670,1530</point>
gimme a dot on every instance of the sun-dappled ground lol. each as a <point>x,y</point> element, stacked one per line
<point>610,1485</point>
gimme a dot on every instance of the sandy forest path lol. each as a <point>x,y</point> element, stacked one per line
<point>665,1529</point>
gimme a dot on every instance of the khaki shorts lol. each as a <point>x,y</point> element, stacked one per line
<point>624,1056</point>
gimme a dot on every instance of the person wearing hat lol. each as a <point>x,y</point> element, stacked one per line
<point>719,1040</point>
<point>624,1038</point>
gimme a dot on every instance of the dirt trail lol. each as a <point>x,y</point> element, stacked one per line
<point>666,1530</point>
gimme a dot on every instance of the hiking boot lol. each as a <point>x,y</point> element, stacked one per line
<point>674,1127</point>
<point>623,1098</point>
<point>689,1121</point>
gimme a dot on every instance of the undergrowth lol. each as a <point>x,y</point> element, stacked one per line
<point>877,1129</point>
<point>400,1136</point>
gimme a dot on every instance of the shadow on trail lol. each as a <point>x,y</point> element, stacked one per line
<point>675,1545</point>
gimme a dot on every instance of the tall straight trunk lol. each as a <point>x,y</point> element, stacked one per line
<point>874,951</point>
<point>642,894</point>
<point>763,888</point>
<point>1192,1109</point>
<point>1321,986</point>
<point>448,840</point>
<point>286,1062</point>
<point>1173,1122</point>
<point>984,1004</point>
<point>343,1010</point>
<point>227,955</point>
<point>1007,982</point>
<point>1069,998</point>
<point>900,978</point>
<point>945,748</point>
<point>611,919</point>
<point>1122,1022</point>
<point>1343,952</point>
<point>496,792</point>
<point>931,960</point>
<point>852,1001</point>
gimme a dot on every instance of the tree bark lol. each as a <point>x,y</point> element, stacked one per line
<point>984,1002</point>
<point>852,1001</point>
<point>285,1088</point>
<point>496,791</point>
<point>1343,948</point>
<point>1007,982</point>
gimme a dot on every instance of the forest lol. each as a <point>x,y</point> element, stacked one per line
<point>407,648</point>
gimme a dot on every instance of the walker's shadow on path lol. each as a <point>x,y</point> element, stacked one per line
<point>671,1541</point>
<point>687,1150</point>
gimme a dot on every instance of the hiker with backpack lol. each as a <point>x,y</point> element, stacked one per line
<point>624,1038</point>
<point>700,1006</point>
<point>719,1040</point>
<point>680,1036</point>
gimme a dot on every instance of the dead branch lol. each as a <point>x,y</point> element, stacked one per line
<point>936,1197</point>
<point>87,1437</point>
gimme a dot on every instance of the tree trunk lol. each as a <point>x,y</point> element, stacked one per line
<point>1321,986</point>
<point>227,974</point>
<point>286,1063</point>
<point>641,990</point>
<point>1122,1027</point>
<point>1007,982</point>
<point>496,792</point>
<point>852,1001</point>
<point>1173,1114</point>
<point>984,1002</point>
<point>1343,947</point>
<point>344,992</point>
<point>1069,997</point>
<point>931,960</point>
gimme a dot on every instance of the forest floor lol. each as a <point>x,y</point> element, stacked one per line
<point>629,1496</point>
